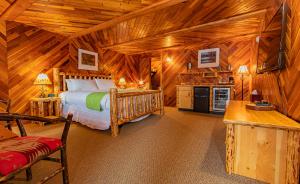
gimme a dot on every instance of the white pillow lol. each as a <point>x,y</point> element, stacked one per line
<point>105,84</point>
<point>81,85</point>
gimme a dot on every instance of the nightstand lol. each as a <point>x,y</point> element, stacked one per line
<point>45,107</point>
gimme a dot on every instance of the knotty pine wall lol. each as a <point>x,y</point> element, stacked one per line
<point>234,53</point>
<point>31,51</point>
<point>133,68</point>
<point>282,87</point>
<point>3,62</point>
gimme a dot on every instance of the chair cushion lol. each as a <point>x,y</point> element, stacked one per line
<point>18,152</point>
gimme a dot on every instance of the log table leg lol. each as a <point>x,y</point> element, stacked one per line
<point>293,158</point>
<point>230,148</point>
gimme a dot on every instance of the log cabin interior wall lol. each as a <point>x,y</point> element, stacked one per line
<point>139,30</point>
<point>133,68</point>
<point>282,87</point>
<point>31,50</point>
<point>231,53</point>
<point>3,62</point>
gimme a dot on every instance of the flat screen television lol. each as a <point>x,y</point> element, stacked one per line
<point>271,47</point>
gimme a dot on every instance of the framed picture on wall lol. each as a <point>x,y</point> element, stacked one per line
<point>87,60</point>
<point>209,58</point>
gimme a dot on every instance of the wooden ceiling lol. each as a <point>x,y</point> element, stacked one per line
<point>138,26</point>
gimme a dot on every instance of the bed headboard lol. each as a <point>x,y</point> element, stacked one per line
<point>59,78</point>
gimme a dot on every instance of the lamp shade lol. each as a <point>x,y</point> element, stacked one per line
<point>122,81</point>
<point>243,69</point>
<point>42,79</point>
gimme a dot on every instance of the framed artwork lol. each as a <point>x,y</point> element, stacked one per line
<point>87,60</point>
<point>209,58</point>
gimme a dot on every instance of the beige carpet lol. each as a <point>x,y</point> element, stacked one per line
<point>180,147</point>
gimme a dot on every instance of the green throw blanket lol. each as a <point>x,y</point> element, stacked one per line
<point>93,101</point>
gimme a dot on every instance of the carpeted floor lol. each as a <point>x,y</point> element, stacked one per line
<point>180,147</point>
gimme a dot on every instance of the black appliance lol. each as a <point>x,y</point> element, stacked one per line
<point>201,99</point>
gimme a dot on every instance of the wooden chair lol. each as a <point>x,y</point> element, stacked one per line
<point>18,154</point>
<point>6,103</point>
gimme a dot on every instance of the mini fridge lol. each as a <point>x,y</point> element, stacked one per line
<point>220,99</point>
<point>201,99</point>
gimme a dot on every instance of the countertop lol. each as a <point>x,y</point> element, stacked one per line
<point>212,85</point>
<point>236,113</point>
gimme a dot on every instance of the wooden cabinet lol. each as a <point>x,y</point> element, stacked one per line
<point>263,145</point>
<point>45,107</point>
<point>185,97</point>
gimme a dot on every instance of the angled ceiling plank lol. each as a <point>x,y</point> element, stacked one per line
<point>18,7</point>
<point>239,37</point>
<point>193,28</point>
<point>152,8</point>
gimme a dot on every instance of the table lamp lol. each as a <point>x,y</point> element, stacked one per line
<point>141,84</point>
<point>42,80</point>
<point>122,83</point>
<point>243,70</point>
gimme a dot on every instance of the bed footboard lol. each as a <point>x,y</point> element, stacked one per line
<point>128,106</point>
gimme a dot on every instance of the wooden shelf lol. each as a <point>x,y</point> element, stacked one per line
<point>225,72</point>
<point>201,73</point>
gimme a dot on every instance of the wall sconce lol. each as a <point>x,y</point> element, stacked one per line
<point>42,80</point>
<point>122,83</point>
<point>169,59</point>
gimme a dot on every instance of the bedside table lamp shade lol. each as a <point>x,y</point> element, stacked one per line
<point>42,80</point>
<point>243,70</point>
<point>122,83</point>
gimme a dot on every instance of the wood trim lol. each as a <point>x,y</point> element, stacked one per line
<point>17,8</point>
<point>152,8</point>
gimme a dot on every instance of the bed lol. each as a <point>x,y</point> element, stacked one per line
<point>119,106</point>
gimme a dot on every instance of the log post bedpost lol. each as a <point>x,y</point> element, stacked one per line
<point>114,112</point>
<point>56,81</point>
<point>162,109</point>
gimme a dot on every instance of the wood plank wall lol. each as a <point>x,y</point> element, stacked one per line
<point>234,53</point>
<point>282,88</point>
<point>132,68</point>
<point>30,52</point>
<point>3,62</point>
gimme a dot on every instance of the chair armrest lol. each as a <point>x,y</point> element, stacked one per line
<point>18,118</point>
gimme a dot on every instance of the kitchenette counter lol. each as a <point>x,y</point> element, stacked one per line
<point>207,85</point>
<point>213,96</point>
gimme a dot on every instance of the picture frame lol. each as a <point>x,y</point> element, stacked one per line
<point>87,60</point>
<point>209,58</point>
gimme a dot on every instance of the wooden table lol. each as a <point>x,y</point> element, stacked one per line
<point>6,134</point>
<point>45,107</point>
<point>263,145</point>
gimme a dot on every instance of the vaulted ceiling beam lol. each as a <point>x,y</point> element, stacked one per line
<point>17,8</point>
<point>240,37</point>
<point>152,8</point>
<point>192,28</point>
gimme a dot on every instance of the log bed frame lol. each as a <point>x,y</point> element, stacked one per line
<point>122,106</point>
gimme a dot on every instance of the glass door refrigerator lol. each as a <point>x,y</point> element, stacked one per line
<point>221,97</point>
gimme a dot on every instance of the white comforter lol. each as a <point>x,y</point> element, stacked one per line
<point>79,98</point>
<point>75,103</point>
